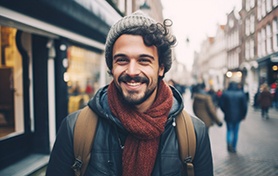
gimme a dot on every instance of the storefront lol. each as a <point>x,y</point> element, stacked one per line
<point>268,69</point>
<point>82,76</point>
<point>51,63</point>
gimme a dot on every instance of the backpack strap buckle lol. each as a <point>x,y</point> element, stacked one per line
<point>188,160</point>
<point>189,165</point>
<point>77,165</point>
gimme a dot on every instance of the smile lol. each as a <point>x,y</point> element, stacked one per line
<point>133,83</point>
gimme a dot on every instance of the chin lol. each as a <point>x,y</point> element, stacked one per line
<point>130,99</point>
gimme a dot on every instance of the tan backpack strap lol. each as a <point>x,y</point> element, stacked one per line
<point>84,132</point>
<point>187,140</point>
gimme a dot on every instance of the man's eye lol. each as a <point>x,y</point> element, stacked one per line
<point>144,60</point>
<point>121,60</point>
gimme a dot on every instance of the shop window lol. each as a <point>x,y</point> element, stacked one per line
<point>247,5</point>
<point>247,26</point>
<point>252,24</point>
<point>263,8</point>
<point>268,39</point>
<point>275,34</point>
<point>11,89</point>
<point>268,6</point>
<point>252,3</point>
<point>252,48</point>
<point>247,50</point>
<point>82,76</point>
<point>259,10</point>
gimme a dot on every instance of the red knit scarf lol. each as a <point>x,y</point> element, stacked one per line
<point>142,143</point>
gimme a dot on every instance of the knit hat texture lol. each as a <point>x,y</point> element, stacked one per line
<point>133,20</point>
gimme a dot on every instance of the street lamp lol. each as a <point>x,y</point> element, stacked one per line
<point>187,41</point>
<point>145,6</point>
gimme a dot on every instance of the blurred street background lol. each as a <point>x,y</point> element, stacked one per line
<point>257,152</point>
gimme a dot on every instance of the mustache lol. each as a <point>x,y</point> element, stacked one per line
<point>128,78</point>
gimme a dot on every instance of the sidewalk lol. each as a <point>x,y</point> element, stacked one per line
<point>257,151</point>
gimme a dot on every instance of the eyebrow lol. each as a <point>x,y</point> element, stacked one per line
<point>141,55</point>
<point>119,55</point>
<point>146,55</point>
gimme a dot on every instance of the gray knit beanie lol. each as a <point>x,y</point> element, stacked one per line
<point>133,20</point>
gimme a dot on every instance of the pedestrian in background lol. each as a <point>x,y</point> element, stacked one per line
<point>213,95</point>
<point>204,108</point>
<point>179,87</point>
<point>256,105</point>
<point>275,95</point>
<point>265,100</point>
<point>246,91</point>
<point>275,98</point>
<point>218,95</point>
<point>233,103</point>
<point>135,133</point>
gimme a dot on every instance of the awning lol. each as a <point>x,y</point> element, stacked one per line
<point>89,18</point>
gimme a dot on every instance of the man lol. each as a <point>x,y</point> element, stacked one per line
<point>203,107</point>
<point>233,103</point>
<point>135,134</point>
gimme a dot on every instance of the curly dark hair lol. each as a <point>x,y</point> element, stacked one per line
<point>156,34</point>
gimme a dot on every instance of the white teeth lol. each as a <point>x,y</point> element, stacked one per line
<point>133,83</point>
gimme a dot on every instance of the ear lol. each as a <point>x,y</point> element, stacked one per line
<point>161,70</point>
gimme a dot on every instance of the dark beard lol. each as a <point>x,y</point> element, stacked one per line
<point>128,99</point>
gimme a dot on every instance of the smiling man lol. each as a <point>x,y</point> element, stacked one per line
<point>136,133</point>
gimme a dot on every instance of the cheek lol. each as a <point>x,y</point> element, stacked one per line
<point>153,72</point>
<point>117,71</point>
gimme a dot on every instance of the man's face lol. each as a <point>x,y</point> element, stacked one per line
<point>136,69</point>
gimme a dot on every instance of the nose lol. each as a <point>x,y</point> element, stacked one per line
<point>133,68</point>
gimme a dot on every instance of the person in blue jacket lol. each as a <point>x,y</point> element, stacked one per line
<point>234,105</point>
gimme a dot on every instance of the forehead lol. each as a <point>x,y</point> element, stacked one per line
<point>133,45</point>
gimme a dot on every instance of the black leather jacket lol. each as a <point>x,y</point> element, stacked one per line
<point>106,156</point>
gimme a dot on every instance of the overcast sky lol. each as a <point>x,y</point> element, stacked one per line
<point>195,20</point>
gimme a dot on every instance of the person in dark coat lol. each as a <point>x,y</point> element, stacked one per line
<point>213,95</point>
<point>204,108</point>
<point>233,103</point>
<point>256,102</point>
<point>265,100</point>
